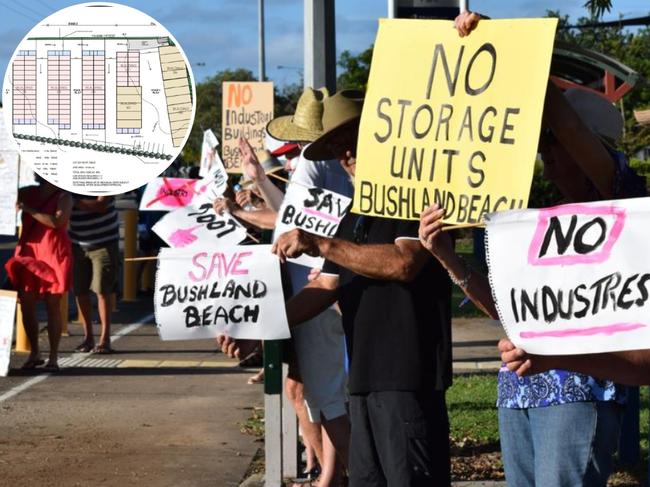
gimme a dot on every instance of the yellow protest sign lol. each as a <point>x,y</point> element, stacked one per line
<point>246,109</point>
<point>452,120</point>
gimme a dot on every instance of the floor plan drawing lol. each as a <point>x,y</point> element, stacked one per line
<point>99,98</point>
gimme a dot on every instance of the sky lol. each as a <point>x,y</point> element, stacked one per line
<point>222,34</point>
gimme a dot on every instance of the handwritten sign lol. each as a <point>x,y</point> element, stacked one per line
<point>234,290</point>
<point>200,225</point>
<point>166,194</point>
<point>314,210</point>
<point>9,164</point>
<point>209,154</point>
<point>575,278</point>
<point>452,120</point>
<point>215,183</point>
<point>247,109</point>
<point>7,315</point>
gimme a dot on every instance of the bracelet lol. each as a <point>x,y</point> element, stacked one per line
<point>462,283</point>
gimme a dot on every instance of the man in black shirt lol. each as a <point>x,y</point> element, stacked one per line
<point>395,302</point>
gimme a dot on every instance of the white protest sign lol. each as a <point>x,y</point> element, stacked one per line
<point>573,279</point>
<point>314,210</point>
<point>216,182</point>
<point>234,290</point>
<point>191,227</point>
<point>166,194</point>
<point>7,315</point>
<point>208,152</point>
<point>8,180</point>
<point>9,194</point>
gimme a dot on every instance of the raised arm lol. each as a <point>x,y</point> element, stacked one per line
<point>251,166</point>
<point>264,218</point>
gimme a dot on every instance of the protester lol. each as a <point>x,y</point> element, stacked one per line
<point>395,303</point>
<point>318,347</point>
<point>557,428</point>
<point>94,231</point>
<point>42,264</point>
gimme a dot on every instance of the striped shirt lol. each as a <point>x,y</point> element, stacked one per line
<point>90,229</point>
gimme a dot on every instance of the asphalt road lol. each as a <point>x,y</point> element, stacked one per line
<point>152,414</point>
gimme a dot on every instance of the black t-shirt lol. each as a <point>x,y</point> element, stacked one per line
<point>398,334</point>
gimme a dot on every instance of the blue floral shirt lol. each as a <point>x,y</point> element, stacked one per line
<point>561,386</point>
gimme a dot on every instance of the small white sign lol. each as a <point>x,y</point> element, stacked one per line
<point>7,315</point>
<point>314,210</point>
<point>234,290</point>
<point>191,227</point>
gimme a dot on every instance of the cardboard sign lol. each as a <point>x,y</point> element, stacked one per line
<point>247,108</point>
<point>314,210</point>
<point>573,279</point>
<point>7,315</point>
<point>167,194</point>
<point>234,290</point>
<point>200,226</point>
<point>209,154</point>
<point>215,183</point>
<point>452,120</point>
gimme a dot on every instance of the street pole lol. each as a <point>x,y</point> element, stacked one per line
<point>391,9</point>
<point>261,69</point>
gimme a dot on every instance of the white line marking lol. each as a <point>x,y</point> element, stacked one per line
<point>14,391</point>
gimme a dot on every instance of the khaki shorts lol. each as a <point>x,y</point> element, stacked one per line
<point>95,270</point>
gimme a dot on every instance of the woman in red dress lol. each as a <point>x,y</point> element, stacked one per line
<point>41,267</point>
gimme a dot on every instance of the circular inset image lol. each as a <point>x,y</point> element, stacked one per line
<point>100,98</point>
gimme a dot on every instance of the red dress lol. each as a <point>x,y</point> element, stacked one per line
<point>42,262</point>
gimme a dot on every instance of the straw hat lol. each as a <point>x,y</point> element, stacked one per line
<point>305,124</point>
<point>340,111</point>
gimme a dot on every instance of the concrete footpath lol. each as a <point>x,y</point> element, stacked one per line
<point>153,414</point>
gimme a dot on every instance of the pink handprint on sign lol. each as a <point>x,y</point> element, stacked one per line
<point>183,237</point>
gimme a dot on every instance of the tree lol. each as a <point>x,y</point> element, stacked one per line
<point>355,70</point>
<point>598,7</point>
<point>208,110</point>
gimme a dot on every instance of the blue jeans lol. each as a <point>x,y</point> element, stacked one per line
<point>564,445</point>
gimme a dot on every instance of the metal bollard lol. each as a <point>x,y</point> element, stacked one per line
<point>22,343</point>
<point>129,292</point>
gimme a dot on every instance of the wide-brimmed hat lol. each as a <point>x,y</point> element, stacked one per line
<point>340,112</point>
<point>305,125</point>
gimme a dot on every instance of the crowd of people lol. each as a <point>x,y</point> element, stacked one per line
<point>370,356</point>
<point>390,281</point>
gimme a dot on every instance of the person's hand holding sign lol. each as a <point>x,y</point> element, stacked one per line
<point>225,205</point>
<point>466,22</point>
<point>294,243</point>
<point>250,163</point>
<point>431,235</point>
<point>234,348</point>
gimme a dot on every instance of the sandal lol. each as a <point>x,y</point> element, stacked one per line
<point>51,368</point>
<point>31,364</point>
<point>103,349</point>
<point>85,348</point>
